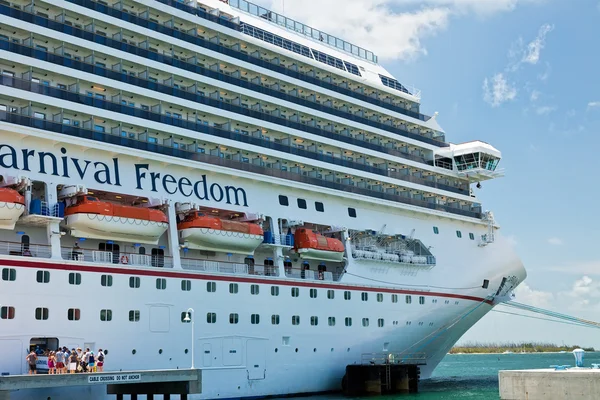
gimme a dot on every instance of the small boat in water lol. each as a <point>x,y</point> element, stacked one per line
<point>12,206</point>
<point>206,232</point>
<point>90,217</point>
<point>313,246</point>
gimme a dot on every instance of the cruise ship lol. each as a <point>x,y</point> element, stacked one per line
<point>211,183</point>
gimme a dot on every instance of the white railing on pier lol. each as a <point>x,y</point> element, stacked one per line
<point>25,250</point>
<point>394,358</point>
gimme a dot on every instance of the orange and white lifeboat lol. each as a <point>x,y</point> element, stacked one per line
<point>95,219</point>
<point>314,246</point>
<point>206,232</point>
<point>12,206</point>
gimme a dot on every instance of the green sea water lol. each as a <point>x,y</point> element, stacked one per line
<point>475,376</point>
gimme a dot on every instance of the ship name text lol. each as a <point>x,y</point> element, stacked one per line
<point>109,173</point>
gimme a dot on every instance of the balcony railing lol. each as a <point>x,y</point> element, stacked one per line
<point>198,127</point>
<point>166,59</point>
<point>25,250</point>
<point>311,275</point>
<point>39,207</point>
<point>214,266</point>
<point>242,56</point>
<point>279,240</point>
<point>120,258</point>
<point>69,130</point>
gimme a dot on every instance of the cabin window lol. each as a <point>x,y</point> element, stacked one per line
<point>458,234</point>
<point>39,115</point>
<point>158,258</point>
<point>9,274</point>
<point>106,280</point>
<point>394,298</point>
<point>471,236</point>
<point>161,283</point>
<point>134,315</point>
<point>255,319</point>
<point>348,321</point>
<point>42,276</point>
<point>295,292</point>
<point>186,285</point>
<point>105,315</point>
<point>302,204</point>
<point>421,299</point>
<point>313,293</point>
<point>41,313</point>
<point>7,312</point>
<point>330,294</point>
<point>347,295</point>
<point>234,318</point>
<point>211,317</point>
<point>331,321</point>
<point>142,250</point>
<point>364,296</point>
<point>352,212</point>
<point>275,319</point>
<point>73,314</point>
<point>274,290</point>
<point>365,322</point>
<point>379,297</point>
<point>408,299</point>
<point>74,278</point>
<point>211,287</point>
<point>283,200</point>
<point>295,320</point>
<point>314,320</point>
<point>134,282</point>
<point>319,206</point>
<point>436,230</point>
<point>254,289</point>
<point>233,288</point>
<point>380,322</point>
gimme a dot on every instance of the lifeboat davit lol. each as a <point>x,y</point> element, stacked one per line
<point>12,206</point>
<point>207,232</point>
<point>314,246</point>
<point>95,219</point>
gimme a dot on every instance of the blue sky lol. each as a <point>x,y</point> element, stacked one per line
<point>541,109</point>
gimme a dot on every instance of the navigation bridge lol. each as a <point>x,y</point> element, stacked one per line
<point>475,161</point>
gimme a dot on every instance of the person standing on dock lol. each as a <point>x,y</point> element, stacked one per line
<point>31,360</point>
<point>60,361</point>
<point>100,364</point>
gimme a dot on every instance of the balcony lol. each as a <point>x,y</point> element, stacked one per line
<point>231,52</point>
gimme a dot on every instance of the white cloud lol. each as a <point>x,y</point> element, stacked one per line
<point>392,29</point>
<point>538,298</point>
<point>534,48</point>
<point>534,95</point>
<point>498,90</point>
<point>555,241</point>
<point>593,104</point>
<point>545,110</point>
<point>546,74</point>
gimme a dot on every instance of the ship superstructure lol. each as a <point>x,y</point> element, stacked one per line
<point>161,155</point>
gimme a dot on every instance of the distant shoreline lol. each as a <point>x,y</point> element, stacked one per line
<point>514,348</point>
<point>516,352</point>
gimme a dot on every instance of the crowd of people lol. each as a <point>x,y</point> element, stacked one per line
<point>64,361</point>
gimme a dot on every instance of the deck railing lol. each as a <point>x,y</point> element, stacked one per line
<point>25,250</point>
<point>394,358</point>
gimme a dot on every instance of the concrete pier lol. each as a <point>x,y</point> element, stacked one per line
<point>145,382</point>
<point>550,384</point>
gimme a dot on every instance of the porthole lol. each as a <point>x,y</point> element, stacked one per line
<point>276,349</point>
<point>315,350</point>
<point>296,349</point>
<point>159,351</point>
<point>332,349</point>
<point>132,351</point>
<point>348,350</point>
<point>186,351</point>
